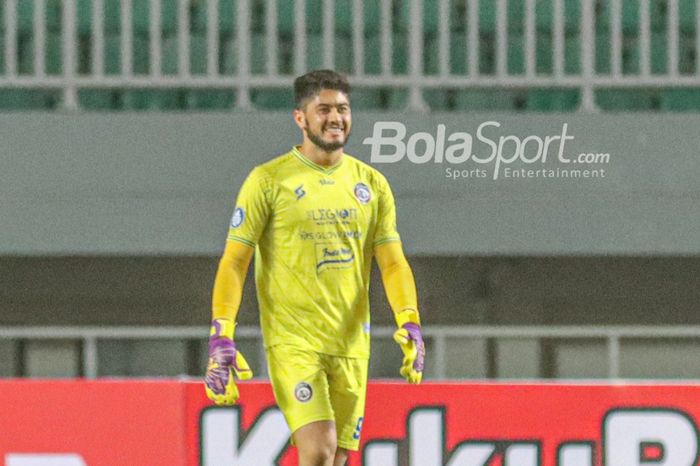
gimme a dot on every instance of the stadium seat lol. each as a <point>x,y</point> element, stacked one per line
<point>228,56</point>
<point>141,55</point>
<point>315,49</point>
<point>399,55</point>
<point>211,100</point>
<point>544,15</point>
<point>485,99</point>
<point>516,54</point>
<point>552,100</point>
<point>687,16</point>
<point>198,54</point>
<point>53,55</point>
<point>343,17</point>
<point>366,99</point>
<point>431,18</point>
<point>169,56</point>
<point>99,100</point>
<point>84,10</point>
<point>112,58</point>
<point>148,99</point>
<point>438,100</point>
<point>227,17</point>
<point>25,17</point>
<point>680,100</point>
<point>273,99</point>
<point>23,99</point>
<point>616,100</point>
<point>457,55</point>
<point>258,57</point>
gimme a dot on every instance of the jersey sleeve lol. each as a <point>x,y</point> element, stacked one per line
<point>252,209</point>
<point>386,214</point>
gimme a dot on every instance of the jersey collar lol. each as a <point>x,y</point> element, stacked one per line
<point>326,170</point>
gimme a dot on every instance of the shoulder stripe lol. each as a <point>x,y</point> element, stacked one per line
<point>241,240</point>
<point>386,240</point>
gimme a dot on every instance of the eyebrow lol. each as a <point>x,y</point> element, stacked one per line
<point>344,104</point>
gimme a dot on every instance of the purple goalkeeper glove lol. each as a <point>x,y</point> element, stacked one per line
<point>224,361</point>
<point>410,339</point>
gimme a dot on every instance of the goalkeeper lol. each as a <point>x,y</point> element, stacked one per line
<point>314,217</point>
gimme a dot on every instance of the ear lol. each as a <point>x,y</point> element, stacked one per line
<point>299,118</point>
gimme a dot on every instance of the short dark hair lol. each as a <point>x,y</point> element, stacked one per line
<point>313,82</point>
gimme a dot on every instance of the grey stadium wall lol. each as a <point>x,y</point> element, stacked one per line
<point>164,184</point>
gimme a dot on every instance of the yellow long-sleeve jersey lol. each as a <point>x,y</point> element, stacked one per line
<point>314,229</point>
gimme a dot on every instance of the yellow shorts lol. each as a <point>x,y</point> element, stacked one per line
<point>311,387</point>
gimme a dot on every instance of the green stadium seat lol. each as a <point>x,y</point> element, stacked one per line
<point>516,54</point>
<point>112,58</point>
<point>112,17</point>
<point>25,17</point>
<point>687,14</point>
<point>431,18</point>
<point>54,13</point>
<point>227,17</point>
<point>544,15</point>
<point>343,17</point>
<point>99,100</point>
<point>142,17</point>
<point>681,100</point>
<point>228,56</point>
<point>84,10</point>
<point>198,54</point>
<point>258,57</point>
<point>485,99</point>
<point>273,99</point>
<point>211,100</point>
<point>399,54</point>
<point>53,56</point>
<point>627,100</point>
<point>438,100</point>
<point>25,55</point>
<point>687,59</point>
<point>552,100</point>
<point>457,55</point>
<point>141,55</point>
<point>395,99</point>
<point>170,53</point>
<point>169,99</point>
<point>366,99</point>
<point>285,17</point>
<point>23,99</point>
<point>315,50</point>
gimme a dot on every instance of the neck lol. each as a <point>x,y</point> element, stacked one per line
<point>320,157</point>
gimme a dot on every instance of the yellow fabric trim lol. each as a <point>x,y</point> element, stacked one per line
<point>227,328</point>
<point>230,277</point>
<point>399,284</point>
<point>407,316</point>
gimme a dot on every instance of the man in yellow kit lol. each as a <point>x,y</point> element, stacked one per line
<point>314,217</point>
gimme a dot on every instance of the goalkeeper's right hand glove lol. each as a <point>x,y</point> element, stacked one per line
<point>224,361</point>
<point>410,339</point>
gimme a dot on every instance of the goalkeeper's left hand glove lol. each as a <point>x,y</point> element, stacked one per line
<point>410,339</point>
<point>224,361</point>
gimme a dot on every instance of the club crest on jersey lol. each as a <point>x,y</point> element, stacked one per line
<point>303,392</point>
<point>362,193</point>
<point>238,217</point>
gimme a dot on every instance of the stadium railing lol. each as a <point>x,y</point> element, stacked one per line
<point>419,54</point>
<point>446,345</point>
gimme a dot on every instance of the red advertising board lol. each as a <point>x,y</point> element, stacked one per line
<point>152,423</point>
<point>109,423</point>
